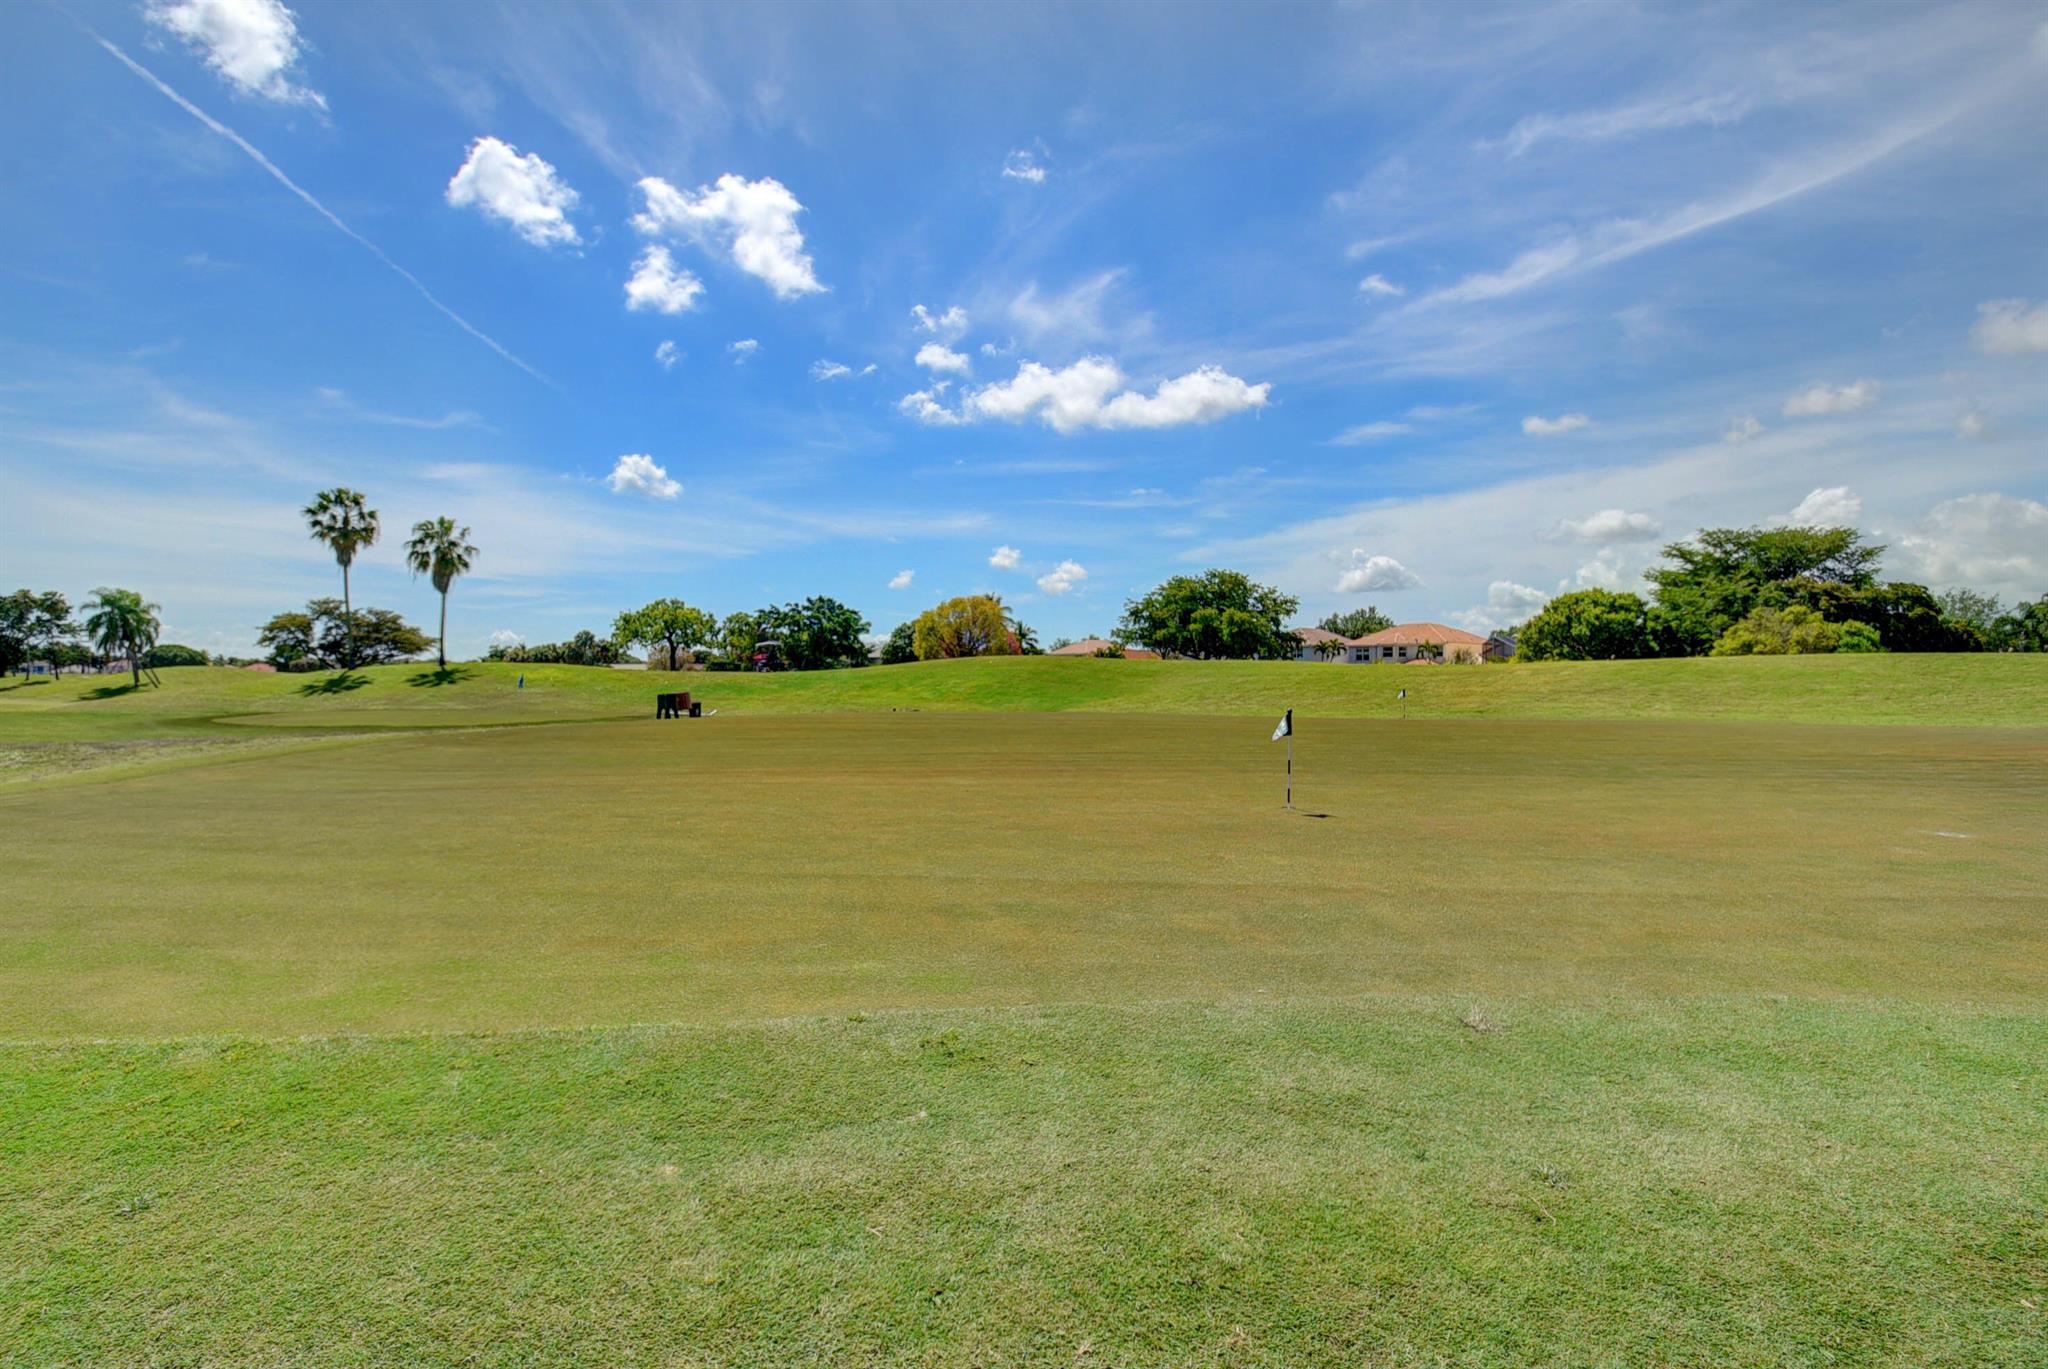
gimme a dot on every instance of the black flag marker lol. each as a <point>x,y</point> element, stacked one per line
<point>1286,729</point>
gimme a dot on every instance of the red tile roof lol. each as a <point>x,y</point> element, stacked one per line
<point>1414,634</point>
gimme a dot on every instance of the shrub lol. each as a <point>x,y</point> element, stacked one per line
<point>1587,625</point>
<point>1794,631</point>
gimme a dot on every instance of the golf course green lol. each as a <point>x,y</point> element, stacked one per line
<point>997,1012</point>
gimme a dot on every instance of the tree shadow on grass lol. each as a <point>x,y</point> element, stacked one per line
<point>346,681</point>
<point>23,682</point>
<point>110,691</point>
<point>444,675</point>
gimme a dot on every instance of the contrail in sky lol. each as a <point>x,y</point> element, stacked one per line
<point>289,184</point>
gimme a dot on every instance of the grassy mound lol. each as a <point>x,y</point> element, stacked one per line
<point>1981,690</point>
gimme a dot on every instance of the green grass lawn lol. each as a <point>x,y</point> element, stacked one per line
<point>1980,690</point>
<point>982,1034</point>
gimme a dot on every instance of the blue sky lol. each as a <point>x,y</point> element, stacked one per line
<point>1446,308</point>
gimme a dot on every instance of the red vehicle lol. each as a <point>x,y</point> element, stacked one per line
<point>768,656</point>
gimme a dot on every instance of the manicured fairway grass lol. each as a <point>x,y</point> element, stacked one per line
<point>958,1036</point>
<point>758,866</point>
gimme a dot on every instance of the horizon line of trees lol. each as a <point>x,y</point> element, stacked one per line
<point>1724,591</point>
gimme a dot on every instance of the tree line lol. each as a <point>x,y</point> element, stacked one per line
<point>1724,591</point>
<point>1775,591</point>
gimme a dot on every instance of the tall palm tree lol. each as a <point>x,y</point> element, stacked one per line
<point>345,525</point>
<point>440,552</point>
<point>120,620</point>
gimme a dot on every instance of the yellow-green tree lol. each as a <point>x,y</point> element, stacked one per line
<point>972,625</point>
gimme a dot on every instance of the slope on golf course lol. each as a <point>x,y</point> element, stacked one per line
<point>997,1013</point>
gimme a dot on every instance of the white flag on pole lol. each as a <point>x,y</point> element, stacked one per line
<point>1286,727</point>
<point>1402,695</point>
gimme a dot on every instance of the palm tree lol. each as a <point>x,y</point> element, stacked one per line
<point>440,552</point>
<point>342,522</point>
<point>119,620</point>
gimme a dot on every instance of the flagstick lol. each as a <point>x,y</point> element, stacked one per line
<point>1290,767</point>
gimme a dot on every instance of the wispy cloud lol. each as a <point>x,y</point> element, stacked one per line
<point>322,210</point>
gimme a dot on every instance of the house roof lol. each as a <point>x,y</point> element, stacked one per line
<point>1414,634</point>
<point>1313,635</point>
<point>1088,646</point>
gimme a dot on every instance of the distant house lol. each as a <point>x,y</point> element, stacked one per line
<point>1499,647</point>
<point>1088,646</point>
<point>1313,638</point>
<point>261,667</point>
<point>1401,644</point>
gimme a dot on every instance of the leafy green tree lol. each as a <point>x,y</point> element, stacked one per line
<point>901,648</point>
<point>736,638</point>
<point>343,522</point>
<point>371,636</point>
<point>669,624</point>
<point>1970,608</point>
<point>1358,622</point>
<point>972,625</point>
<point>1766,631</point>
<point>1722,573</point>
<point>2025,628</point>
<point>121,621</point>
<point>166,654</point>
<point>817,634</point>
<point>1219,614</point>
<point>290,638</point>
<point>1858,638</point>
<point>32,627</point>
<point>1588,625</point>
<point>440,551</point>
<point>1907,616</point>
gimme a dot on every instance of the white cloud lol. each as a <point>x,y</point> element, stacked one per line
<point>754,222</point>
<point>1005,558</point>
<point>641,475</point>
<point>936,356</point>
<point>901,579</point>
<point>1363,433</point>
<point>1832,399</point>
<point>1535,425</point>
<point>658,284</point>
<point>742,350</point>
<point>522,191</point>
<point>829,370</point>
<point>1743,429</point>
<point>1375,572</point>
<point>947,327</point>
<point>1506,602</point>
<point>1084,395</point>
<point>253,44</point>
<point>1062,578</point>
<point>1971,427</point>
<point>1835,506</point>
<point>1377,284</point>
<point>2009,327</point>
<point>665,353</point>
<point>1717,108</point>
<point>505,636</point>
<point>1986,541</point>
<point>926,407</point>
<point>1023,165</point>
<point>1612,525</point>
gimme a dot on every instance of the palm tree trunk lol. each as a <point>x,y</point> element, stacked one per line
<point>135,662</point>
<point>442,645</point>
<point>348,620</point>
